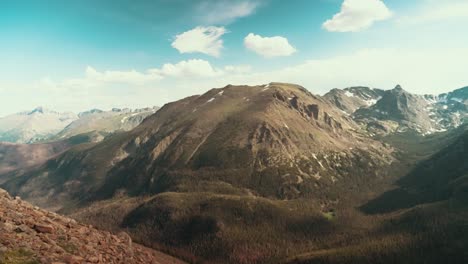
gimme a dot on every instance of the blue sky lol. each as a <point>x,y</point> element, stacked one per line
<point>76,55</point>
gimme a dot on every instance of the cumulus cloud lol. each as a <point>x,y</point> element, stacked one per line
<point>269,46</point>
<point>357,15</point>
<point>182,70</point>
<point>205,40</point>
<point>418,70</point>
<point>215,12</point>
<point>187,69</point>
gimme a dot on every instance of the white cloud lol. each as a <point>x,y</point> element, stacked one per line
<point>357,15</point>
<point>437,11</point>
<point>205,40</point>
<point>417,70</point>
<point>188,69</point>
<point>132,76</point>
<point>269,46</point>
<point>215,12</point>
<point>239,69</point>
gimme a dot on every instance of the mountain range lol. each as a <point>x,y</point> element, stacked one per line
<point>268,174</point>
<point>35,125</point>
<point>42,124</point>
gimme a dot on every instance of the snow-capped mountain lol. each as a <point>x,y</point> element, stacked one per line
<point>35,125</point>
<point>396,110</point>
<point>105,122</point>
<point>42,124</point>
<point>448,110</point>
<point>351,99</point>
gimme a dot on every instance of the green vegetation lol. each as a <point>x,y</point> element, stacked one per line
<point>433,233</point>
<point>67,245</point>
<point>19,256</point>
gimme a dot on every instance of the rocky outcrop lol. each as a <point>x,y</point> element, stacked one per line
<point>351,99</point>
<point>31,235</point>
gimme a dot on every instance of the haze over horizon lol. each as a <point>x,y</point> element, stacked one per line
<point>86,55</point>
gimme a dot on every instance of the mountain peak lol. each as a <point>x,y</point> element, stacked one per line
<point>90,112</point>
<point>398,88</point>
<point>38,109</point>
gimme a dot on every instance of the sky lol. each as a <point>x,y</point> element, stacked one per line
<point>81,54</point>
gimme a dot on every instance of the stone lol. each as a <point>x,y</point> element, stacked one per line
<point>93,259</point>
<point>44,228</point>
<point>5,194</point>
<point>71,259</point>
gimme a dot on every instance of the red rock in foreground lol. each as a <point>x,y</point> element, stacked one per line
<point>28,233</point>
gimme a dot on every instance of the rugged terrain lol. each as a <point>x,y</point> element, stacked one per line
<point>353,98</point>
<point>31,235</point>
<point>272,173</point>
<point>399,111</point>
<point>276,141</point>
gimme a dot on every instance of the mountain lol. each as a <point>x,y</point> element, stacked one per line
<point>424,216</point>
<point>449,109</point>
<point>277,140</point>
<point>200,163</point>
<point>273,174</point>
<point>399,111</point>
<point>440,177</point>
<point>14,156</point>
<point>105,122</point>
<point>43,125</point>
<point>32,126</point>
<point>32,235</point>
<point>351,99</point>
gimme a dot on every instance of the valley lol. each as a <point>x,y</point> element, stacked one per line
<point>264,174</point>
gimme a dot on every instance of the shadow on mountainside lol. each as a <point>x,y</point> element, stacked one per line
<point>442,176</point>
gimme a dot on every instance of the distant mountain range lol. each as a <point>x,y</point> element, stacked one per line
<point>397,110</point>
<point>35,125</point>
<point>41,124</point>
<point>269,174</point>
<point>105,122</point>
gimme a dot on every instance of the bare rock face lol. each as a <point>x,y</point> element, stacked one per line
<point>399,111</point>
<point>31,235</point>
<point>353,98</point>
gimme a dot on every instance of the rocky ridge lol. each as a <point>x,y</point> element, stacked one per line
<point>32,235</point>
<point>351,99</point>
<point>398,111</point>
